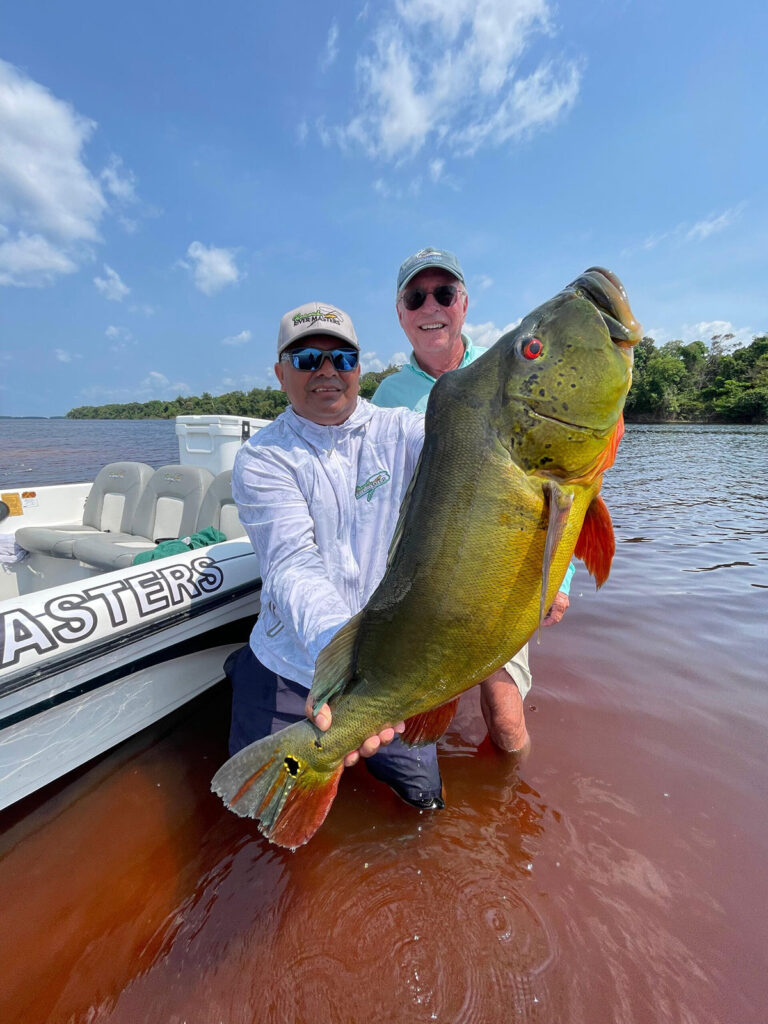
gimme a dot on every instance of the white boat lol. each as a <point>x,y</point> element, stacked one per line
<point>93,648</point>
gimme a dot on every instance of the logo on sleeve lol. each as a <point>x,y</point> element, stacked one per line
<point>367,489</point>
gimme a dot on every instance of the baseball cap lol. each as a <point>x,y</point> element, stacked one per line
<point>315,318</point>
<point>440,258</point>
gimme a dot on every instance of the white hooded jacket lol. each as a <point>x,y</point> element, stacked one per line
<point>320,505</point>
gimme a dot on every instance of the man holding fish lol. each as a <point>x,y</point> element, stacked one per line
<point>319,492</point>
<point>432,307</point>
<point>391,598</point>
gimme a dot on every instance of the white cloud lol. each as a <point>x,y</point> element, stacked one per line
<point>436,168</point>
<point>483,282</point>
<point>31,260</point>
<point>111,286</point>
<point>370,363</point>
<point>212,269</point>
<point>331,51</point>
<point>237,339</point>
<point>399,359</point>
<point>437,74</point>
<point>485,335</point>
<point>50,203</point>
<point>711,225</point>
<point>154,385</point>
<point>707,331</point>
<point>686,232</point>
<point>62,356</point>
<point>118,181</point>
<point>121,338</point>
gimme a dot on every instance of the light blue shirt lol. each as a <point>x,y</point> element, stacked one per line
<point>410,387</point>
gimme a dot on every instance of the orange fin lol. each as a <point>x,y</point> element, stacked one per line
<point>609,455</point>
<point>429,726</point>
<point>596,544</point>
<point>304,811</point>
<point>273,781</point>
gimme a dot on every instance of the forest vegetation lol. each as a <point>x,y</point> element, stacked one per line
<point>690,383</point>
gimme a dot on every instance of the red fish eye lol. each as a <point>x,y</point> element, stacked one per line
<point>532,349</point>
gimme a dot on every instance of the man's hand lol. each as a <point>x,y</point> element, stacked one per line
<point>558,609</point>
<point>323,722</point>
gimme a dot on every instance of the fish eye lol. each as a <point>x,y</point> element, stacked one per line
<point>532,348</point>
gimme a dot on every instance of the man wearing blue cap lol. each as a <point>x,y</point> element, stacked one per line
<point>432,307</point>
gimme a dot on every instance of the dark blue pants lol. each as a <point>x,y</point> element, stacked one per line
<point>263,703</point>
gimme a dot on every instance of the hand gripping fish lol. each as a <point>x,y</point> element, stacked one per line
<point>506,491</point>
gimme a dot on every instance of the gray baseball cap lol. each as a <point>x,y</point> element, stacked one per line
<point>425,258</point>
<point>315,318</point>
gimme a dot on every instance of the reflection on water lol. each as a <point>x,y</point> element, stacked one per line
<point>614,877</point>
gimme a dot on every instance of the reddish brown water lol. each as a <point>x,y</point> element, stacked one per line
<point>616,877</point>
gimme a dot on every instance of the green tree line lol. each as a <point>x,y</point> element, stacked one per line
<point>691,383</point>
<point>696,383</point>
<point>258,403</point>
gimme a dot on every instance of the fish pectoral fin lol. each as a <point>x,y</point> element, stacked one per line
<point>335,664</point>
<point>596,544</point>
<point>430,725</point>
<point>559,501</point>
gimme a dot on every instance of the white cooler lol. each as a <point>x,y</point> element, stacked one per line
<point>212,441</point>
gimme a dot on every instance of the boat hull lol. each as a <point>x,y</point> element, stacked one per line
<point>90,662</point>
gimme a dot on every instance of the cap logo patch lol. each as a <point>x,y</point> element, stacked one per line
<point>329,316</point>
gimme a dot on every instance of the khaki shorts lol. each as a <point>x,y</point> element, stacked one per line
<point>518,669</point>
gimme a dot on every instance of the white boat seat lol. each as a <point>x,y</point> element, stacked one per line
<point>168,508</point>
<point>219,509</point>
<point>109,508</point>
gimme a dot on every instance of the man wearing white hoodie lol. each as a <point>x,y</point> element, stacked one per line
<point>319,493</point>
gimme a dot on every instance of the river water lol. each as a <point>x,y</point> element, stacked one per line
<point>616,876</point>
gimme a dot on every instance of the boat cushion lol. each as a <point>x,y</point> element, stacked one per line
<point>168,508</point>
<point>219,509</point>
<point>171,502</point>
<point>114,497</point>
<point>57,540</point>
<point>110,506</point>
<point>111,551</point>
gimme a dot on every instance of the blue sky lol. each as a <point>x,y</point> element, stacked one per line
<point>176,175</point>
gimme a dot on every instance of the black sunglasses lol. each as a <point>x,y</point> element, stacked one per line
<point>445,294</point>
<point>309,359</point>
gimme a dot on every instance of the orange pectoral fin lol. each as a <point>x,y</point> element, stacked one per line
<point>596,544</point>
<point>609,455</point>
<point>429,726</point>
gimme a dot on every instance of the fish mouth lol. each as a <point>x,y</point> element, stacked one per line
<point>607,294</point>
<point>583,427</point>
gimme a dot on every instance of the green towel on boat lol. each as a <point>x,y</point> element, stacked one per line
<point>201,539</point>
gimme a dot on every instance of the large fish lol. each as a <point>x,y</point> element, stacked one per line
<point>506,491</point>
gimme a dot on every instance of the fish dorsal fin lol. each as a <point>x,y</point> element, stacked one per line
<point>559,501</point>
<point>596,544</point>
<point>398,534</point>
<point>429,726</point>
<point>335,665</point>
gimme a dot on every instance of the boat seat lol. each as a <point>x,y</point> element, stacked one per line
<point>109,508</point>
<point>219,509</point>
<point>168,508</point>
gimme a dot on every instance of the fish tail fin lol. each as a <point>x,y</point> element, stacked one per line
<point>273,781</point>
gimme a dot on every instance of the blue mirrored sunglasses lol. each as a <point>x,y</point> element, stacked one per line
<point>309,359</point>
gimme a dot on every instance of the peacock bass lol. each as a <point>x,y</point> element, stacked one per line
<point>507,489</point>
